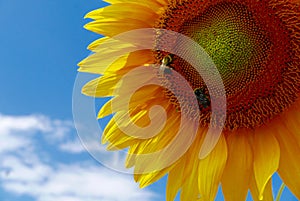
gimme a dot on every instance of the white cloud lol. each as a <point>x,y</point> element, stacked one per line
<point>22,171</point>
<point>16,132</point>
<point>72,146</point>
<point>23,123</point>
<point>26,169</point>
<point>76,146</point>
<point>75,182</point>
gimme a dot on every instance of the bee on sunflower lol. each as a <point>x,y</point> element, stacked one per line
<point>255,49</point>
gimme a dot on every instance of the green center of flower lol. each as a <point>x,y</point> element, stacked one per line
<point>229,34</point>
<point>230,47</point>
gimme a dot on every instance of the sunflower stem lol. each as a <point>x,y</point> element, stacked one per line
<point>279,194</point>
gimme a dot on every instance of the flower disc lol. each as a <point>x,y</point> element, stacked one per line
<point>255,46</point>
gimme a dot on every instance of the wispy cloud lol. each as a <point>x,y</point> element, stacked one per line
<point>28,149</point>
<point>72,146</point>
<point>17,132</point>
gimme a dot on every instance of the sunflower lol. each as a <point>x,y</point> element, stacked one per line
<point>255,47</point>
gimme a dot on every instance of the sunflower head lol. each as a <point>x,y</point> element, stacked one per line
<point>206,91</point>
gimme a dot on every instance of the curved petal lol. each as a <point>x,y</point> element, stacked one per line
<point>190,189</point>
<point>211,170</point>
<point>115,138</point>
<point>152,145</point>
<point>238,169</point>
<point>153,4</point>
<point>104,63</point>
<point>105,110</point>
<point>175,180</point>
<point>137,103</point>
<point>112,27</point>
<point>166,148</point>
<point>291,119</point>
<point>147,179</point>
<point>124,10</point>
<point>267,194</point>
<point>289,166</point>
<point>95,44</point>
<point>190,176</point>
<point>266,158</point>
<point>101,87</point>
<point>119,84</point>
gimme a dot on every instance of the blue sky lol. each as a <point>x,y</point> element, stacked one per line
<point>41,156</point>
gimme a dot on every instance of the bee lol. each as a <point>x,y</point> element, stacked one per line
<point>164,68</point>
<point>202,98</point>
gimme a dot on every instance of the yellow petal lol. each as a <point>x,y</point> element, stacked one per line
<point>175,180</point>
<point>211,169</point>
<point>147,179</point>
<point>153,4</point>
<point>157,143</point>
<point>189,186</point>
<point>112,27</point>
<point>266,158</point>
<point>105,110</point>
<point>238,169</point>
<point>137,102</point>
<point>190,189</point>
<point>108,53</point>
<point>112,45</point>
<point>267,194</point>
<point>122,125</point>
<point>161,140</point>
<point>122,83</point>
<point>289,166</point>
<point>98,42</point>
<point>104,63</point>
<point>166,148</point>
<point>291,119</point>
<point>124,10</point>
<point>115,137</point>
<point>101,87</point>
<point>131,156</point>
